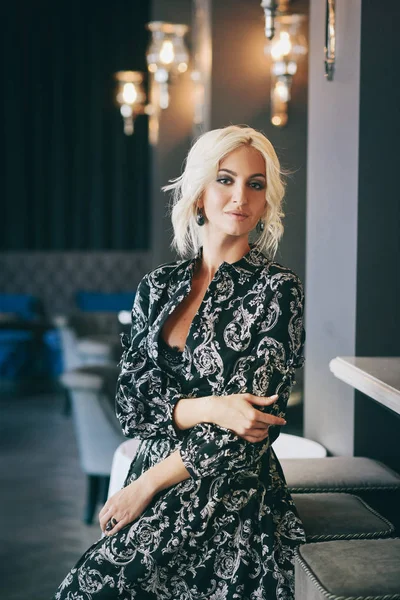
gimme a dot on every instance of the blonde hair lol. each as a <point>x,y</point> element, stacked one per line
<point>201,167</point>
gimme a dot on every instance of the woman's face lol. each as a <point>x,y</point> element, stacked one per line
<point>235,201</point>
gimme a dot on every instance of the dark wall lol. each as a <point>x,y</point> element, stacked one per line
<point>71,180</point>
<point>56,277</point>
<point>378,273</point>
<point>241,95</point>
<point>174,138</point>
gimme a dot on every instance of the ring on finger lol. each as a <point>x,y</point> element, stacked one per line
<point>111,523</point>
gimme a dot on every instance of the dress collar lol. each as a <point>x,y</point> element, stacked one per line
<point>252,261</point>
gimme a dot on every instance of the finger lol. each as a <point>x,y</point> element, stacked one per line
<point>265,419</point>
<point>119,525</point>
<point>271,419</point>
<point>104,510</point>
<point>264,400</point>
<point>104,519</point>
<point>250,438</point>
<point>110,525</point>
<point>259,435</point>
<point>277,421</point>
<point>258,438</point>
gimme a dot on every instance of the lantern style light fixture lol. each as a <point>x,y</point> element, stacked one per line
<point>130,97</point>
<point>167,56</point>
<point>273,8</point>
<point>285,49</point>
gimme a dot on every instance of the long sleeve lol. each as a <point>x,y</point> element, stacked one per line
<point>145,395</point>
<point>268,368</point>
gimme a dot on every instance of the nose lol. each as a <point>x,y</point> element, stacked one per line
<point>239,194</point>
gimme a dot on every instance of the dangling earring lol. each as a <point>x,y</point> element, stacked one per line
<point>260,226</point>
<point>200,220</point>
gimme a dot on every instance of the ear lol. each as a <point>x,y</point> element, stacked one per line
<point>200,202</point>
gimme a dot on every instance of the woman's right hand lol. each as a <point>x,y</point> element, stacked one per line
<point>238,413</point>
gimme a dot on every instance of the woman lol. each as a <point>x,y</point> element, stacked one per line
<point>205,513</point>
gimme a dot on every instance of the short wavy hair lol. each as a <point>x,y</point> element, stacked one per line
<point>201,167</point>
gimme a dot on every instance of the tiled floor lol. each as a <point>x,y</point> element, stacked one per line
<point>42,497</point>
<point>42,494</point>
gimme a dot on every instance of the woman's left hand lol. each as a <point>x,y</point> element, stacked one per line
<point>125,506</point>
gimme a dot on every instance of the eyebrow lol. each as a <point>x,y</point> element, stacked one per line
<point>235,174</point>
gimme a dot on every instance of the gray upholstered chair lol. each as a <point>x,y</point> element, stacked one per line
<point>87,339</point>
<point>348,570</point>
<point>98,433</point>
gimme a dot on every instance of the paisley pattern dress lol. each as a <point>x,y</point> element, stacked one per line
<point>229,531</point>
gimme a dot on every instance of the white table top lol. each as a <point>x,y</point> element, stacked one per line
<point>377,377</point>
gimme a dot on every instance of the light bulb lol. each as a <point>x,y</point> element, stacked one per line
<point>276,120</point>
<point>129,93</point>
<point>282,47</point>
<point>126,110</point>
<point>167,53</point>
<point>282,91</point>
<point>124,317</point>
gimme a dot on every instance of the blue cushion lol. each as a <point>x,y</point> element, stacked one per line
<point>15,336</point>
<point>15,354</point>
<point>105,302</point>
<point>23,305</point>
<point>53,353</point>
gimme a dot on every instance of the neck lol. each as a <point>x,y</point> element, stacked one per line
<point>215,252</point>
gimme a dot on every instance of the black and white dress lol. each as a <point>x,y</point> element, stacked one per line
<point>230,530</point>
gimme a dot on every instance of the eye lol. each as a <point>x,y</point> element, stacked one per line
<point>224,180</point>
<point>257,185</point>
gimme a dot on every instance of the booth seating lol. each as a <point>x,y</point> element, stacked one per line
<point>348,570</point>
<point>370,479</point>
<point>22,326</point>
<point>16,351</point>
<point>23,307</point>
<point>104,302</point>
<point>98,432</point>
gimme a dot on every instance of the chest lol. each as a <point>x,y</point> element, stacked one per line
<point>176,327</point>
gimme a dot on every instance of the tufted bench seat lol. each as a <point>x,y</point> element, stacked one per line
<point>338,474</point>
<point>370,479</point>
<point>332,516</point>
<point>348,570</point>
